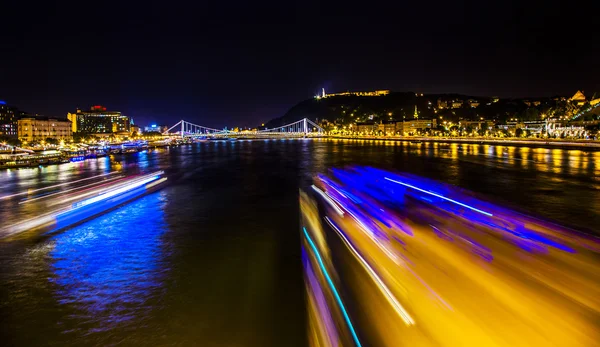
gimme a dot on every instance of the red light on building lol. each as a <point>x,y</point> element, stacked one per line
<point>98,108</point>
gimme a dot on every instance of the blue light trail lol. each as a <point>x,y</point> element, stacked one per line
<point>335,292</point>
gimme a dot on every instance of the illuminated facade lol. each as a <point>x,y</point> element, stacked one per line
<point>136,130</point>
<point>558,130</point>
<point>457,103</point>
<point>8,120</point>
<point>473,103</point>
<point>366,128</point>
<point>476,124</point>
<point>156,128</point>
<point>370,93</point>
<point>410,126</point>
<point>578,98</point>
<point>98,121</point>
<point>391,128</point>
<point>42,128</point>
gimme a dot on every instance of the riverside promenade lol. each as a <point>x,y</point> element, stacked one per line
<point>555,143</point>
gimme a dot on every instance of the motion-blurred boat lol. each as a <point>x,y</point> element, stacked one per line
<point>88,203</point>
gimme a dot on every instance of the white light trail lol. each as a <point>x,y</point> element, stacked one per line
<point>68,190</point>
<point>55,185</point>
<point>439,196</point>
<point>120,190</point>
<point>408,320</point>
<point>150,185</point>
<point>328,199</point>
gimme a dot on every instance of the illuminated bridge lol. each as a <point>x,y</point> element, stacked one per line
<point>302,128</point>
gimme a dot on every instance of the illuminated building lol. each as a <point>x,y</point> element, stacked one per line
<point>366,128</point>
<point>410,126</point>
<point>416,115</point>
<point>396,127</point>
<point>473,103</point>
<point>457,103</point>
<point>72,117</point>
<point>389,127</point>
<point>532,103</point>
<point>8,120</point>
<point>42,128</point>
<point>442,104</point>
<point>99,121</point>
<point>136,130</point>
<point>371,93</point>
<point>578,98</point>
<point>156,128</point>
<point>534,127</point>
<point>495,99</point>
<point>477,124</point>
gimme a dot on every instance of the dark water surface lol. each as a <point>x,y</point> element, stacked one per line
<point>213,259</point>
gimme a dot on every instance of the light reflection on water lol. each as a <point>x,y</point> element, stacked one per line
<point>106,270</point>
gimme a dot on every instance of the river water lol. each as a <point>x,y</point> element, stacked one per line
<point>214,258</point>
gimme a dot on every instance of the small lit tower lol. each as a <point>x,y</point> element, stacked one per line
<point>416,115</point>
<point>323,92</point>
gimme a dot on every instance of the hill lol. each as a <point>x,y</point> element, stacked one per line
<point>401,106</point>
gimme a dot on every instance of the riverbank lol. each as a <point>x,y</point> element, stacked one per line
<point>28,158</point>
<point>548,143</point>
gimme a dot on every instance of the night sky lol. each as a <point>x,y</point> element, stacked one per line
<point>224,63</point>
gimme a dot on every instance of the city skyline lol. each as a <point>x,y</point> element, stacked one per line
<point>462,97</point>
<point>246,65</point>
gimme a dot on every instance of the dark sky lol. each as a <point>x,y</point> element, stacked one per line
<point>226,63</point>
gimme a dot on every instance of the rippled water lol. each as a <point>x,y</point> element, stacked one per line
<point>214,258</point>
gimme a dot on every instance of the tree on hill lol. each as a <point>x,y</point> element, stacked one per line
<point>529,114</point>
<point>563,109</point>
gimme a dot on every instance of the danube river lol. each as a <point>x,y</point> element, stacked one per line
<point>214,258</point>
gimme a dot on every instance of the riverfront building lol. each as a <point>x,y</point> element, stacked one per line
<point>414,125</point>
<point>391,128</point>
<point>366,128</point>
<point>37,129</point>
<point>156,128</point>
<point>99,121</point>
<point>8,120</point>
<point>136,130</point>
